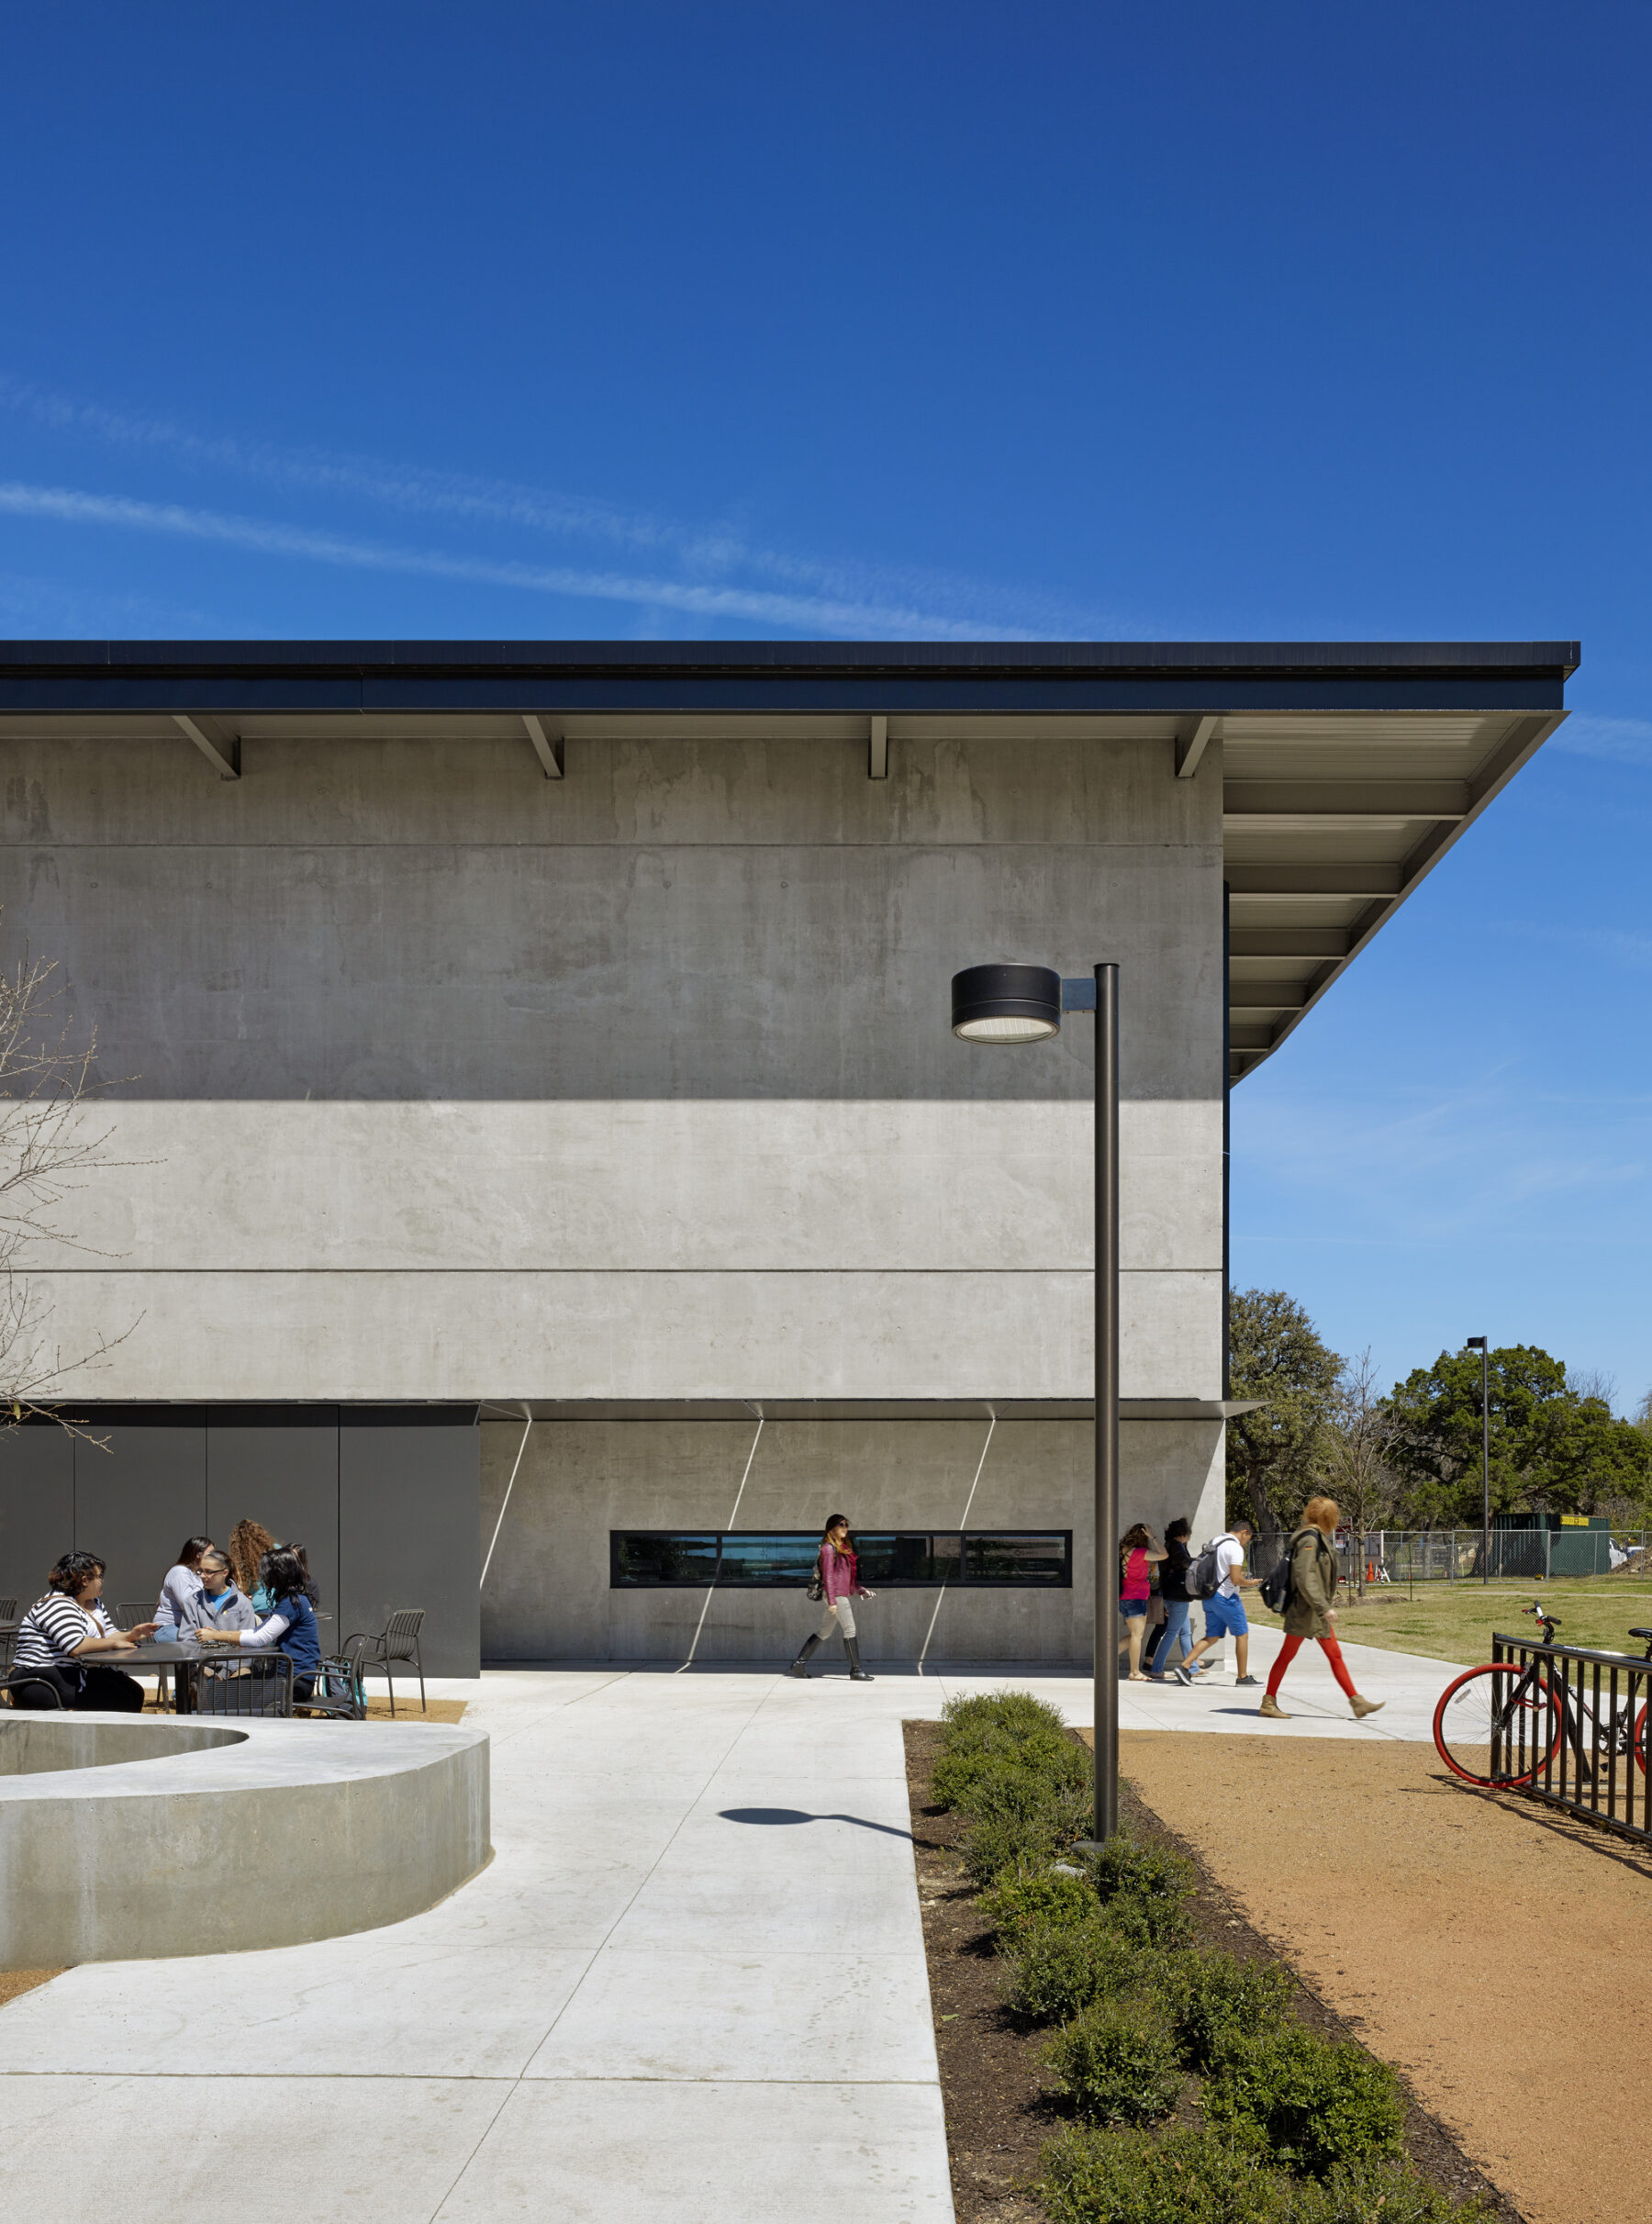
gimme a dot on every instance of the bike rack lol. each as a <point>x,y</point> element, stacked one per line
<point>1596,1765</point>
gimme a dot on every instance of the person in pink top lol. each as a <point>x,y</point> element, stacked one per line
<point>1137,1551</point>
<point>835,1566</point>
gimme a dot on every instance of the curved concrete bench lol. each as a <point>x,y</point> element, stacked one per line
<point>123,1839</point>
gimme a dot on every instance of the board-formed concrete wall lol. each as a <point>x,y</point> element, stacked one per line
<point>438,1080</point>
<point>547,1595</point>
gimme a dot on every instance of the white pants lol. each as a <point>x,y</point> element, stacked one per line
<point>840,1618</point>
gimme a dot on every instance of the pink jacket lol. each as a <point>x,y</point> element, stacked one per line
<point>838,1578</point>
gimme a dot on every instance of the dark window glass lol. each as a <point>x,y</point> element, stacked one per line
<point>888,1561</point>
<point>1024,1559</point>
<point>673,1557</point>
<point>769,1561</point>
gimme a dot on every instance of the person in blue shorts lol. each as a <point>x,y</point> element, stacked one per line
<point>1224,1613</point>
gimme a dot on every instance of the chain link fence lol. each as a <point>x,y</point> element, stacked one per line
<point>1381,1557</point>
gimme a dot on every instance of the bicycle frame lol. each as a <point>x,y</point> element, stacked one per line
<point>1608,1783</point>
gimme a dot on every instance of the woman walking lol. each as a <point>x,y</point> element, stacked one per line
<point>836,1565</point>
<point>1137,1551</point>
<point>1173,1590</point>
<point>1309,1613</point>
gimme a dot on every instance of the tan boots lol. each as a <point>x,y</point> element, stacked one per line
<point>1270,1707</point>
<point>1362,1708</point>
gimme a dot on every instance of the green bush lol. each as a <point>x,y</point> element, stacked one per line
<point>1218,2001</point>
<point>1305,2102</point>
<point>1117,2062</point>
<point>1014,1714</point>
<point>1381,2193</point>
<point>1145,1889</point>
<point>1025,1839</point>
<point>1011,1907</point>
<point>957,1777</point>
<point>1188,2177</point>
<point>1055,1968</point>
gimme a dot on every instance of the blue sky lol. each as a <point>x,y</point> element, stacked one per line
<point>953,322</point>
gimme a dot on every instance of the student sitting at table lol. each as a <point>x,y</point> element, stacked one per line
<point>218,1605</point>
<point>63,1639</point>
<point>291,1627</point>
<point>182,1583</point>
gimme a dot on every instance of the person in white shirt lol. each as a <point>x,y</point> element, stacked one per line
<point>1224,1613</point>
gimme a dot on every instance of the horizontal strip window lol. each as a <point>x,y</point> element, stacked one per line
<point>784,1559</point>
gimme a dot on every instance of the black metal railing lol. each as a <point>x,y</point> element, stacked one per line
<point>1587,1750</point>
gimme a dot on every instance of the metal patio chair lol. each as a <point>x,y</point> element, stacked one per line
<point>8,1633</point>
<point>16,1683</point>
<point>130,1615</point>
<point>336,1695</point>
<point>397,1642</point>
<point>248,1687</point>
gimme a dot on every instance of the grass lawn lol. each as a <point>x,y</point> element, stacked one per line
<point>1454,1621</point>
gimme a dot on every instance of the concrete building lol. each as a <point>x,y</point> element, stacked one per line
<point>529,1071</point>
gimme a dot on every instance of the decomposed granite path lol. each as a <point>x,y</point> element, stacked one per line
<point>1494,1951</point>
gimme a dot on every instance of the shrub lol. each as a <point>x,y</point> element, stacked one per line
<point>957,1777</point>
<point>1188,2177</point>
<point>1013,1714</point>
<point>1218,2001</point>
<point>1381,2193</point>
<point>1116,2062</point>
<point>1011,1907</point>
<point>1145,1888</point>
<point>1012,1845</point>
<point>1305,2102</point>
<point>1055,1968</point>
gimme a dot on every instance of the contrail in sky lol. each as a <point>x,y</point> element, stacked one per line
<point>700,564</point>
<point>71,506</point>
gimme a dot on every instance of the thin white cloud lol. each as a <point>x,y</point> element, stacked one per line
<point>882,598</point>
<point>264,536</point>
<point>1619,740</point>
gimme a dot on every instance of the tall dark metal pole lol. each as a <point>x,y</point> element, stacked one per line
<point>1107,1401</point>
<point>1485,1459</point>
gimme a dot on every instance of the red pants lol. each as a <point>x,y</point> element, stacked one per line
<point>1288,1653</point>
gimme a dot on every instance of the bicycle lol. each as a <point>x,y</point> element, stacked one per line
<point>1500,1724</point>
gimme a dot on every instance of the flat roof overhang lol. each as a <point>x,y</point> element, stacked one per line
<point>1349,768</point>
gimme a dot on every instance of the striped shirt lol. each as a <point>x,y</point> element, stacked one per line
<point>51,1630</point>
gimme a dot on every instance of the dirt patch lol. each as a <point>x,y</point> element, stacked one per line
<point>998,2112</point>
<point>15,1982</point>
<point>1494,1951</point>
<point>441,1710</point>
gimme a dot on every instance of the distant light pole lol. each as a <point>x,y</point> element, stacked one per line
<point>1478,1342</point>
<point>1014,1004</point>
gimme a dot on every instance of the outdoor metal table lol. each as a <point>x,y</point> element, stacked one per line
<point>151,1655</point>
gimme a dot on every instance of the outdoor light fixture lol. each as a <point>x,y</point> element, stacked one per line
<point>1010,1004</point>
<point>1006,1004</point>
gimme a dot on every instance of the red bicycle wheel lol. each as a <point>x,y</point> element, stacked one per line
<point>1637,1744</point>
<point>1497,1724</point>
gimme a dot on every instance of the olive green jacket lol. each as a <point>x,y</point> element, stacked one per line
<point>1313,1575</point>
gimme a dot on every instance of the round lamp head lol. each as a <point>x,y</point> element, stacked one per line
<point>1006,1004</point>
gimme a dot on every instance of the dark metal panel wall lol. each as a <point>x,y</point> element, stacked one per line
<point>409,1485</point>
<point>279,1464</point>
<point>135,1502</point>
<point>37,1508</point>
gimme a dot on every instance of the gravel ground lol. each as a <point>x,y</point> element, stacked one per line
<point>1494,1951</point>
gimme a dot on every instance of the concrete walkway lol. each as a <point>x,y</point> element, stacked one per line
<point>690,1986</point>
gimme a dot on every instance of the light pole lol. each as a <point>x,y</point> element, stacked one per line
<point>1014,1004</point>
<point>1478,1342</point>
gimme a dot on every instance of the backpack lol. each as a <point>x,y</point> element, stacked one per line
<point>1278,1587</point>
<point>1202,1575</point>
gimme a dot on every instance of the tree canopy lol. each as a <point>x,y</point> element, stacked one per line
<point>1274,1454</point>
<point>1552,1449</point>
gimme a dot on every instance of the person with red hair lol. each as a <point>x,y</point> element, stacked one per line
<point>1308,1612</point>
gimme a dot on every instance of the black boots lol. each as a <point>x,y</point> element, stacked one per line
<point>858,1674</point>
<point>797,1668</point>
